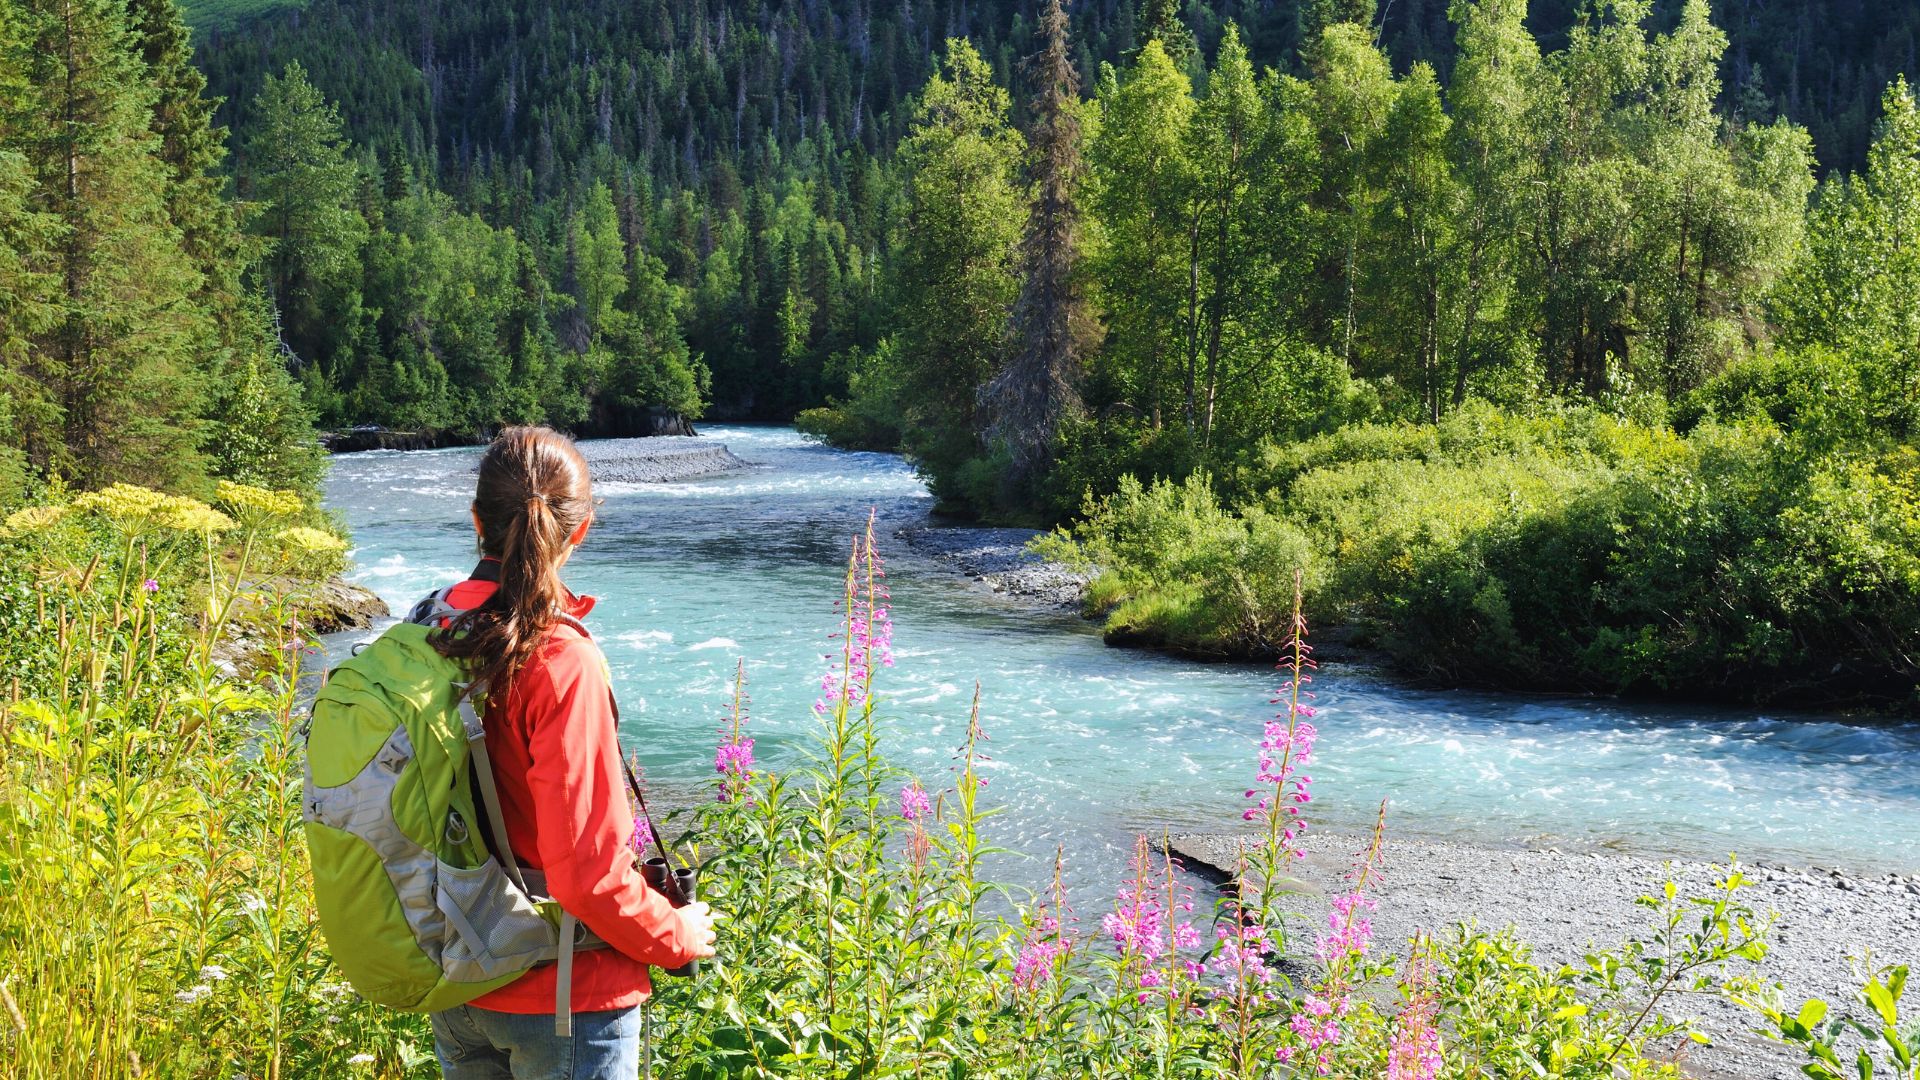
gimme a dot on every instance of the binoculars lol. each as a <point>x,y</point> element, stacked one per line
<point>678,887</point>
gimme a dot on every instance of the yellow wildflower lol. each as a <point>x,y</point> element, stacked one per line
<point>122,502</point>
<point>33,519</point>
<point>311,541</point>
<point>187,515</point>
<point>134,507</point>
<point>245,498</point>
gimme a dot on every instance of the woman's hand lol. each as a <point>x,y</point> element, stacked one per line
<point>698,920</point>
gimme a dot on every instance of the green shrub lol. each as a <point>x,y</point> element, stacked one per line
<point>1570,550</point>
<point>1814,393</point>
<point>872,414</point>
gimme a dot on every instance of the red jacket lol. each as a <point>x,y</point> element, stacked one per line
<point>557,765</point>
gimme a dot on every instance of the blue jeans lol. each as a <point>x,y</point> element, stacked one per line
<point>480,1044</point>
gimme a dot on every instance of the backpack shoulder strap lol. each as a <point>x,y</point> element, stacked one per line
<point>476,736</point>
<point>434,609</point>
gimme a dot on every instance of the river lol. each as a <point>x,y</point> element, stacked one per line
<point>1092,744</point>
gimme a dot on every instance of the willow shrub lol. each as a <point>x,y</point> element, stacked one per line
<point>1569,551</point>
<point>159,919</point>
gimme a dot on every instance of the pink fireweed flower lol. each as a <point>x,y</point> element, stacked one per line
<point>1314,1021</point>
<point>733,757</point>
<point>1044,945</point>
<point>1239,956</point>
<point>1145,925</point>
<point>1135,927</point>
<point>150,585</point>
<point>1350,930</point>
<point>914,803</point>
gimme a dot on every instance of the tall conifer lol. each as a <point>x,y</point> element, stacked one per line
<point>1052,329</point>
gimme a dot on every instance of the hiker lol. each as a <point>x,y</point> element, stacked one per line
<point>557,766</point>
<point>472,846</point>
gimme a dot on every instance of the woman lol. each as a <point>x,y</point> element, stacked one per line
<point>550,733</point>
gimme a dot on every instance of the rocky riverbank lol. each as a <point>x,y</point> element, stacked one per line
<point>354,440</point>
<point>1564,902</point>
<point>327,608</point>
<point>998,560</point>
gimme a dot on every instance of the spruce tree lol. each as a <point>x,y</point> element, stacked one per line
<point>118,374</point>
<point>1052,329</point>
<point>1160,21</point>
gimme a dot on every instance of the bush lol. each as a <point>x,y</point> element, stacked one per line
<point>1565,551</point>
<point>1813,393</point>
<point>872,414</point>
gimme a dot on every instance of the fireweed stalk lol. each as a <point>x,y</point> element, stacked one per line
<point>850,765</point>
<point>1286,748</point>
<point>1317,1016</point>
<point>1414,1051</point>
<point>849,824</point>
<point>1239,962</point>
<point>1047,942</point>
<point>733,757</point>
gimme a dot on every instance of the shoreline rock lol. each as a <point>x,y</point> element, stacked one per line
<point>339,604</point>
<point>1562,901</point>
<point>330,607</point>
<point>999,560</point>
<point>646,422</point>
<point>359,439</point>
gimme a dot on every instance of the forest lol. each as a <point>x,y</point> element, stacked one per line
<point>1401,298</point>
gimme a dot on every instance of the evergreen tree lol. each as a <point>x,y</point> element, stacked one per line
<point>1316,16</point>
<point>113,385</point>
<point>1160,21</point>
<point>1052,330</point>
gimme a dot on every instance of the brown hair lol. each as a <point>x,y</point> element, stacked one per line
<point>533,493</point>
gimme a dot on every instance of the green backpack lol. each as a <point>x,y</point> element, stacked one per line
<point>419,914</point>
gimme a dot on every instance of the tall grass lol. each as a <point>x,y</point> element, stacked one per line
<point>158,919</point>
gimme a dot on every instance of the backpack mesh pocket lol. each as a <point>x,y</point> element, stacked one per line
<point>492,927</point>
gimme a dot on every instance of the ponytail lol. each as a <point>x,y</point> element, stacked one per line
<point>532,494</point>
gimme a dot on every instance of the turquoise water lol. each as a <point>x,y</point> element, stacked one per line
<point>1091,744</point>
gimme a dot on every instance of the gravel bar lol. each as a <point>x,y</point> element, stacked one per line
<point>1566,902</point>
<point>659,459</point>
<point>998,560</point>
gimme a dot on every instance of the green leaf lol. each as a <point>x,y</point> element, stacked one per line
<point>1882,1001</point>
